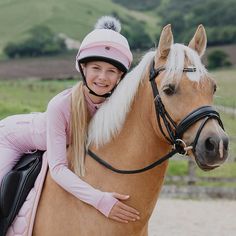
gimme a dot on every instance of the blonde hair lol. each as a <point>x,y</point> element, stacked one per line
<point>78,129</point>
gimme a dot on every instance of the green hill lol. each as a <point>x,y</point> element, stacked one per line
<point>75,18</point>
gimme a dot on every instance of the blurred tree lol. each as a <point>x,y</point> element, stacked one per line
<point>135,31</point>
<point>138,38</point>
<point>139,4</point>
<point>218,59</point>
<point>217,16</point>
<point>42,41</point>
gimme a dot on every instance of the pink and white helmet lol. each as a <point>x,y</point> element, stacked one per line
<point>105,43</point>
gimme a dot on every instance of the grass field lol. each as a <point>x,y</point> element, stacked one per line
<point>24,96</point>
<point>226,82</point>
<point>178,167</point>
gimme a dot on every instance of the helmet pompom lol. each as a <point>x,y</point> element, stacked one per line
<point>108,22</point>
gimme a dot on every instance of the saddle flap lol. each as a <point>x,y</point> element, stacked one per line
<point>8,192</point>
<point>15,187</point>
<point>26,161</point>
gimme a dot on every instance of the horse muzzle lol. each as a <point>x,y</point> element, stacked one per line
<point>211,151</point>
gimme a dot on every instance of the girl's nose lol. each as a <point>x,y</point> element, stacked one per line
<point>102,75</point>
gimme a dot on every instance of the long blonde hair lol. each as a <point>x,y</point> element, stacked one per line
<point>78,129</point>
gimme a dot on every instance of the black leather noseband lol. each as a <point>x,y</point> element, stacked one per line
<point>175,131</point>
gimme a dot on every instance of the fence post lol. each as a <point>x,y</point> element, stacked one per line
<point>191,172</point>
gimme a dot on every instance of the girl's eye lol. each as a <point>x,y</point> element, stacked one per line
<point>112,71</point>
<point>169,89</point>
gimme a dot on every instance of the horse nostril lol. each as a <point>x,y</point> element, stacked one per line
<point>210,144</point>
<point>226,143</point>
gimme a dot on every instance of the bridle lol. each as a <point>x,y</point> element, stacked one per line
<point>175,131</point>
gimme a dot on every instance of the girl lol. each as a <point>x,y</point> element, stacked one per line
<point>103,59</point>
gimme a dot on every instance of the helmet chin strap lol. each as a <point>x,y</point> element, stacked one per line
<point>106,95</point>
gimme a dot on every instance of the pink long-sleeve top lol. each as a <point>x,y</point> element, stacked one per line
<point>57,119</point>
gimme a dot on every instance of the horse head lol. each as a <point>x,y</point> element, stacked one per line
<point>184,91</point>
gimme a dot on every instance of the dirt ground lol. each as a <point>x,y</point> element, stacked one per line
<point>173,217</point>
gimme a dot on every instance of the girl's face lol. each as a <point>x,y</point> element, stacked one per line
<point>101,76</point>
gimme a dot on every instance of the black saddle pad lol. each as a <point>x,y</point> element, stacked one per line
<point>15,187</point>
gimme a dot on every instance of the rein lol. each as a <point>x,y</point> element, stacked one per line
<point>175,132</point>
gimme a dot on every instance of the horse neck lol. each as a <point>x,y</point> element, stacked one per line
<point>138,135</point>
<point>137,146</point>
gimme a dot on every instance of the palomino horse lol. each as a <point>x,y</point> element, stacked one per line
<point>163,104</point>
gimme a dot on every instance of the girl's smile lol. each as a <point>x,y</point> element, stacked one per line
<point>101,77</point>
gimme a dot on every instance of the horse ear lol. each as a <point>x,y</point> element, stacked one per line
<point>199,40</point>
<point>165,42</point>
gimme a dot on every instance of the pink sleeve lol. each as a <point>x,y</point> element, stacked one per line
<point>58,164</point>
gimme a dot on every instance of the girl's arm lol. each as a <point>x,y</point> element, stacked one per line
<point>58,164</point>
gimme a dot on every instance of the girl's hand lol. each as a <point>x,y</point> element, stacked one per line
<point>122,212</point>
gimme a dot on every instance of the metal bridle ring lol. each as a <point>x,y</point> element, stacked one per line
<point>184,146</point>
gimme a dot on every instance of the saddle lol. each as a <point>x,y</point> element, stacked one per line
<point>15,187</point>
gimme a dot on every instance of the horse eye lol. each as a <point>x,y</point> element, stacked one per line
<point>169,89</point>
<point>215,88</point>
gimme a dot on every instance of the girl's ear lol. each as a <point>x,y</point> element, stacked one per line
<point>83,66</point>
<point>122,75</point>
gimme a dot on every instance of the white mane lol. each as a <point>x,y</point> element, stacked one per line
<point>109,119</point>
<point>175,63</point>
